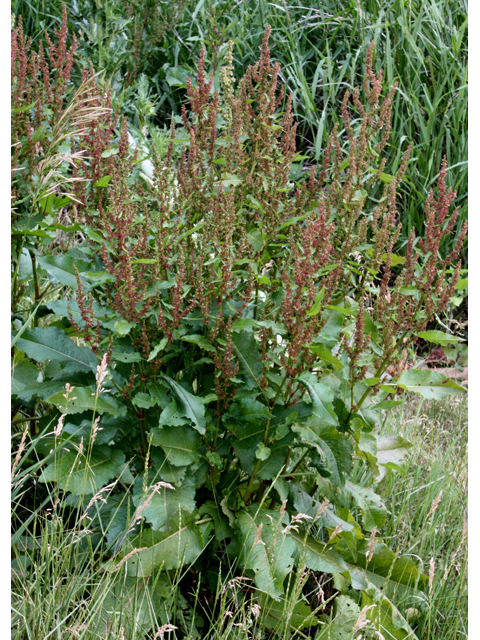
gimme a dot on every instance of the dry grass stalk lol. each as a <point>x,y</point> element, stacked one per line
<point>371,544</point>
<point>335,532</point>
<point>362,618</point>
<point>431,575</point>
<point>323,507</point>
<point>95,428</point>
<point>20,450</point>
<point>59,428</point>
<point>258,537</point>
<point>435,504</point>
<point>128,556</point>
<point>98,497</point>
<point>166,628</point>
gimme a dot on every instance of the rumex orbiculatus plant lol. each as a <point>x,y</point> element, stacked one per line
<point>249,324</point>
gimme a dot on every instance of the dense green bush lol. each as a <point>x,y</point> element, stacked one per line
<point>215,344</point>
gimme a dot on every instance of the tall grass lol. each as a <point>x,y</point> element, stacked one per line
<point>428,508</point>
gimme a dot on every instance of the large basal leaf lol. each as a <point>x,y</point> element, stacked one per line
<point>45,390</point>
<point>374,511</point>
<point>24,374</point>
<point>191,405</point>
<point>322,399</point>
<point>429,384</point>
<point>341,625</point>
<point>266,551</point>
<point>165,505</point>
<point>385,615</point>
<point>316,555</point>
<point>62,268</point>
<point>180,444</point>
<point>73,473</point>
<point>50,343</point>
<point>387,572</point>
<point>248,354</point>
<point>280,617</point>
<point>165,550</point>
<point>334,448</point>
<point>304,503</point>
<point>84,399</point>
<point>247,418</point>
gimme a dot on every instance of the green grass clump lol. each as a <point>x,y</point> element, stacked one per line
<point>429,512</point>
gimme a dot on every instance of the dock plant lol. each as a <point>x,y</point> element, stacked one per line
<point>220,343</point>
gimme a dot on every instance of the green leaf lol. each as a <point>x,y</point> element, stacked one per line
<point>231,180</point>
<point>279,616</point>
<point>143,400</point>
<point>386,177</point>
<point>385,615</point>
<point>44,390</point>
<point>51,343</point>
<point>164,550</point>
<point>262,452</point>
<point>83,399</point>
<point>248,353</point>
<point>39,133</point>
<point>62,267</point>
<point>165,505</point>
<point>72,472</point>
<point>340,627</point>
<point>122,327</point>
<point>265,550</point>
<point>391,448</point>
<point>199,341</point>
<point>322,398</point>
<point>103,182</point>
<point>317,305</point>
<point>429,384</point>
<point>24,374</point>
<point>374,511</point>
<point>110,152</point>
<point>334,448</point>
<point>159,347</point>
<point>326,355</point>
<point>190,404</point>
<point>439,337</point>
<point>180,444</point>
<point>316,555</point>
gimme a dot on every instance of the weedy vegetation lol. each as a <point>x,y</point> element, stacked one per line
<point>209,356</point>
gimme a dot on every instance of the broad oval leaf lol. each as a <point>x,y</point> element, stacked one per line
<point>322,398</point>
<point>51,343</point>
<point>429,384</point>
<point>164,550</point>
<point>192,406</point>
